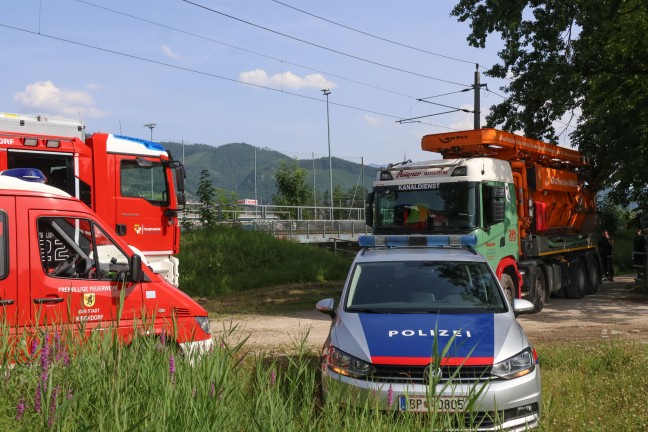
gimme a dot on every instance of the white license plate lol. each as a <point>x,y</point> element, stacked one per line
<point>438,404</point>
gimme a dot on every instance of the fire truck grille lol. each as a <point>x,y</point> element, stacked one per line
<point>181,312</point>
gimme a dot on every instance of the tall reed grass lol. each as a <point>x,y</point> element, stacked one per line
<point>55,382</point>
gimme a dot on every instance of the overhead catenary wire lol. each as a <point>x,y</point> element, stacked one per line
<point>373,35</point>
<point>208,74</point>
<point>324,47</point>
<point>242,49</point>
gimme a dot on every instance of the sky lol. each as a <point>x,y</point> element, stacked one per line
<point>229,71</point>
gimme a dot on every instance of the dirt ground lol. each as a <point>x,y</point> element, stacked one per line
<point>615,311</point>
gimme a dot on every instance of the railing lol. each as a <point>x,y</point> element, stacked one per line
<point>300,223</point>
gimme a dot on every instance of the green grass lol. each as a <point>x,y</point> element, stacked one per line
<point>106,386</point>
<point>229,260</point>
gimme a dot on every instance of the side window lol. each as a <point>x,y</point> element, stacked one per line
<point>146,181</point>
<point>4,246</point>
<point>77,248</point>
<point>111,261</point>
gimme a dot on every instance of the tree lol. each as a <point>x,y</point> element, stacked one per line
<point>207,196</point>
<point>583,58</point>
<point>292,187</point>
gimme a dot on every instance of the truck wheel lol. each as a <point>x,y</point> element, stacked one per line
<point>508,286</point>
<point>577,289</point>
<point>539,292</point>
<point>594,279</point>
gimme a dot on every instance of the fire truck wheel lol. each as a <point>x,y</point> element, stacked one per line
<point>539,293</point>
<point>508,286</point>
<point>577,289</point>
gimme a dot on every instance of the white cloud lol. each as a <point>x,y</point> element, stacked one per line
<point>49,99</point>
<point>286,80</point>
<point>168,52</point>
<point>371,120</point>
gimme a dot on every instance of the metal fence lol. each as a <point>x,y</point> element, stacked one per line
<point>305,224</point>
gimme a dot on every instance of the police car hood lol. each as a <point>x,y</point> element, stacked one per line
<point>414,339</point>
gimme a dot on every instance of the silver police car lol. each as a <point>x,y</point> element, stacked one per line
<point>423,325</point>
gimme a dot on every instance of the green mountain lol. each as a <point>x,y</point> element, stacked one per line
<point>232,168</point>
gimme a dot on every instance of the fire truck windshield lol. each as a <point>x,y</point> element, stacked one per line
<point>148,182</point>
<point>448,208</point>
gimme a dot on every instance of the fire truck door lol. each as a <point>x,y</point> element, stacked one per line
<point>77,274</point>
<point>142,197</point>
<point>8,277</point>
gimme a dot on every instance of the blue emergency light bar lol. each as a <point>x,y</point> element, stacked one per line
<point>458,241</point>
<point>27,174</point>
<point>150,145</point>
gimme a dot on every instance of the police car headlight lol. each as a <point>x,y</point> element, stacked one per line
<point>203,322</point>
<point>345,364</point>
<point>516,366</point>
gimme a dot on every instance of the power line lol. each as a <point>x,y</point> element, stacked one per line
<point>240,48</point>
<point>322,46</point>
<point>208,74</point>
<point>374,36</point>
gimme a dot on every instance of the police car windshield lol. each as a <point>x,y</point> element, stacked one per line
<point>424,287</point>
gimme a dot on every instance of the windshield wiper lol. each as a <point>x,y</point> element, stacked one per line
<point>366,310</point>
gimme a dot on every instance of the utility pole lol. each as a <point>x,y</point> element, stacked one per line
<point>327,92</point>
<point>150,126</point>
<point>477,110</point>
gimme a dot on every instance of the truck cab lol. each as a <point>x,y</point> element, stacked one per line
<point>60,265</point>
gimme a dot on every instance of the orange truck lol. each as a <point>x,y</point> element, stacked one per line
<point>528,203</point>
<point>133,184</point>
<point>61,265</point>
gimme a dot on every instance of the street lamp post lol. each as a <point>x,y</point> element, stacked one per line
<point>327,92</point>
<point>150,126</point>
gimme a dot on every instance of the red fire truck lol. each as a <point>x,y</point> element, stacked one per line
<point>60,265</point>
<point>133,184</point>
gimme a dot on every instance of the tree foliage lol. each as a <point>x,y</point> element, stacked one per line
<point>207,195</point>
<point>582,58</point>
<point>292,187</point>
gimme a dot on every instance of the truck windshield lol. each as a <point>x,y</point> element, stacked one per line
<point>148,182</point>
<point>449,207</point>
<point>424,287</point>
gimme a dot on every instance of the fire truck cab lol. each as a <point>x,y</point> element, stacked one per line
<point>133,184</point>
<point>60,264</point>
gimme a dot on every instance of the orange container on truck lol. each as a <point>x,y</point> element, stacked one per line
<point>60,265</point>
<point>528,203</point>
<point>133,184</point>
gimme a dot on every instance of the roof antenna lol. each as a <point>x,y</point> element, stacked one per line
<point>483,166</point>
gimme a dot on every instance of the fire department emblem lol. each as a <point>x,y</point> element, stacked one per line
<point>89,299</point>
<point>137,228</point>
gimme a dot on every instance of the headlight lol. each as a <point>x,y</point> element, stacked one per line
<point>203,322</point>
<point>516,366</point>
<point>345,364</point>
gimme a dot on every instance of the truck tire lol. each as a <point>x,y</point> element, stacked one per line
<point>508,286</point>
<point>578,286</point>
<point>538,291</point>
<point>594,278</point>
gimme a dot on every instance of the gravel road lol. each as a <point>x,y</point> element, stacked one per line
<point>613,312</point>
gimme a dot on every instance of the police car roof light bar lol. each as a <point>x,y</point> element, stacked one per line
<point>455,241</point>
<point>27,174</point>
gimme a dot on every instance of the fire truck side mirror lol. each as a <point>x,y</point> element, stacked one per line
<point>136,268</point>
<point>369,220</point>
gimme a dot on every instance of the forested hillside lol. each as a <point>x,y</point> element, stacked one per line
<point>232,168</point>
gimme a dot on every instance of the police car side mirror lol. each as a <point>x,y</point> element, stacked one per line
<point>326,306</point>
<point>521,307</point>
